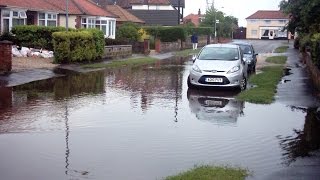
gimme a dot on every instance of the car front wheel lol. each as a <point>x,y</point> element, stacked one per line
<point>243,84</point>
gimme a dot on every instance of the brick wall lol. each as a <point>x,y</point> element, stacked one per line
<point>5,56</point>
<point>313,70</point>
<point>117,51</point>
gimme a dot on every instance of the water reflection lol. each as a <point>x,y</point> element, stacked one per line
<point>215,105</point>
<point>146,84</point>
<point>303,142</point>
<point>40,105</point>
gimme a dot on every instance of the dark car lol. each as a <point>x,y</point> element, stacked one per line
<point>249,55</point>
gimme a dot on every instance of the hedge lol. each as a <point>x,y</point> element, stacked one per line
<point>35,36</point>
<point>98,38</point>
<point>76,46</point>
<point>167,34</point>
<point>315,49</point>
<point>200,30</point>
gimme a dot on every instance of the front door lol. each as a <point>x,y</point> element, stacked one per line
<point>271,34</point>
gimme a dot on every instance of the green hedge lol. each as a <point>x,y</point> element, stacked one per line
<point>98,38</point>
<point>35,36</point>
<point>74,47</point>
<point>200,30</point>
<point>167,34</point>
<point>315,48</point>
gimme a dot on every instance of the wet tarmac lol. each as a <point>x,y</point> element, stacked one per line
<point>144,123</point>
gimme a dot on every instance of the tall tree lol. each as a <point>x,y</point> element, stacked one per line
<point>226,24</point>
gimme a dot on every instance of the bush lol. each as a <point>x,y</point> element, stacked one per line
<point>128,31</point>
<point>98,38</point>
<point>167,34</point>
<point>200,30</point>
<point>35,36</point>
<point>74,46</point>
<point>8,36</point>
<point>315,49</point>
<point>110,42</point>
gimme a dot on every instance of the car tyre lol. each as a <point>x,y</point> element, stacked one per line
<point>243,84</point>
<point>190,85</point>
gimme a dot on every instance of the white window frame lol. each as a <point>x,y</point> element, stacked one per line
<point>267,21</point>
<point>109,24</point>
<point>21,15</point>
<point>48,16</point>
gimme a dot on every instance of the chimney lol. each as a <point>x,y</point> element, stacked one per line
<point>103,3</point>
<point>199,12</point>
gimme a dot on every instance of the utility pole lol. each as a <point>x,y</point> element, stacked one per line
<point>67,15</point>
<point>179,12</point>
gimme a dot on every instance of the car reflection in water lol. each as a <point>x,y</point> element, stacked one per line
<point>218,106</point>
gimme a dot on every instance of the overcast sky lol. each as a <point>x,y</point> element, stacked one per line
<point>240,9</point>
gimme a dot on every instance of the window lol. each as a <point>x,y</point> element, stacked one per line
<point>254,32</point>
<point>88,22</point>
<point>267,21</point>
<point>47,19</point>
<point>253,21</point>
<point>11,18</point>
<point>282,21</point>
<point>106,25</point>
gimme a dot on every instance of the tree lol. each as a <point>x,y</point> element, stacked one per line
<point>304,15</point>
<point>128,31</point>
<point>226,24</point>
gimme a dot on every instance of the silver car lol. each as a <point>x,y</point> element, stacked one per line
<point>219,65</point>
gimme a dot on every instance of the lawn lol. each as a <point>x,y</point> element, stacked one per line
<point>187,52</point>
<point>211,173</point>
<point>266,85</point>
<point>126,62</point>
<point>277,59</point>
<point>281,49</point>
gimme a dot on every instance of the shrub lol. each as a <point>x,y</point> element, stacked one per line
<point>128,31</point>
<point>167,34</point>
<point>74,46</point>
<point>98,38</point>
<point>8,36</point>
<point>315,49</point>
<point>200,30</point>
<point>110,42</point>
<point>35,36</point>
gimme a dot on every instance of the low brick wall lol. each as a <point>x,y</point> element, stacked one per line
<point>5,56</point>
<point>202,41</point>
<point>313,70</point>
<point>170,46</point>
<point>117,51</point>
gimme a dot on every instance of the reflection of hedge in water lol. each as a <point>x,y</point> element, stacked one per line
<point>65,86</point>
<point>305,141</point>
<point>77,84</point>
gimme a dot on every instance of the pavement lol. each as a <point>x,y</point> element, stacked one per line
<point>16,78</point>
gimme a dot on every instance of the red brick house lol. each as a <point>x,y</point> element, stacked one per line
<point>195,19</point>
<point>82,14</point>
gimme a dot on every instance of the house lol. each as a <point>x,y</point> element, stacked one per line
<point>267,25</point>
<point>81,14</point>
<point>123,15</point>
<point>155,12</point>
<point>195,19</point>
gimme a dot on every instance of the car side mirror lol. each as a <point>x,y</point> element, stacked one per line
<point>194,58</point>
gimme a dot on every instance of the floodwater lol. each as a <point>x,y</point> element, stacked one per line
<point>143,124</point>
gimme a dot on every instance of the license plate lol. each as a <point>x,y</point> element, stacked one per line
<point>219,80</point>
<point>213,103</point>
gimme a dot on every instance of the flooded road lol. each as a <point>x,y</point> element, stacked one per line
<point>143,123</point>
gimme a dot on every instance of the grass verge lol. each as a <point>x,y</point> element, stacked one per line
<point>277,59</point>
<point>281,49</point>
<point>211,173</point>
<point>266,83</point>
<point>186,52</point>
<point>126,62</point>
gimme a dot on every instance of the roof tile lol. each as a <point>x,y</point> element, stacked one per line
<point>124,15</point>
<point>261,14</point>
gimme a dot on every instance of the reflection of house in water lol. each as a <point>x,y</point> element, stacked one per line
<point>215,106</point>
<point>303,142</point>
<point>30,106</point>
<point>162,80</point>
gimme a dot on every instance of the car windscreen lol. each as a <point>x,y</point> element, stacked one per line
<point>246,49</point>
<point>219,53</point>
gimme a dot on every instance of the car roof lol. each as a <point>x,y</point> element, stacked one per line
<point>240,43</point>
<point>222,45</point>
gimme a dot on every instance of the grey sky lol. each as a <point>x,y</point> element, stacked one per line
<point>241,9</point>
